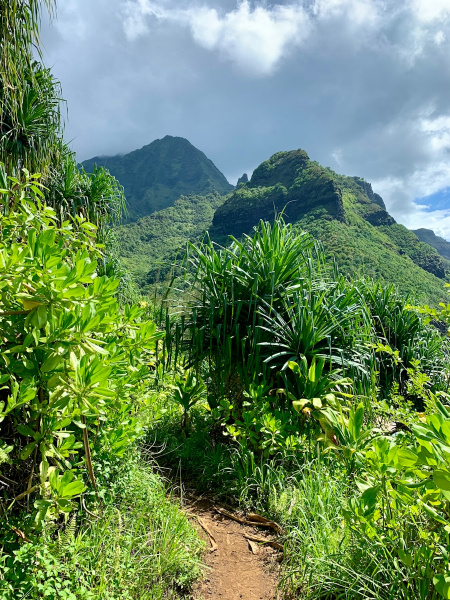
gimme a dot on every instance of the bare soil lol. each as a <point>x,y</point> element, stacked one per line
<point>236,568</point>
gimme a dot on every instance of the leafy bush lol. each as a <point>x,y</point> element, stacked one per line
<point>69,355</point>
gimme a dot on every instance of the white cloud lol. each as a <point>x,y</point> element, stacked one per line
<point>255,39</point>
<point>403,198</point>
<point>337,156</point>
<point>428,11</point>
<point>357,12</point>
<point>136,14</point>
<point>436,220</point>
<point>439,38</point>
<point>437,134</point>
<point>257,36</point>
<point>361,84</point>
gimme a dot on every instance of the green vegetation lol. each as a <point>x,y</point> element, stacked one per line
<point>317,398</point>
<point>157,174</point>
<point>150,246</point>
<point>326,408</point>
<point>74,367</point>
<point>442,246</point>
<point>362,250</point>
<point>83,514</point>
<point>140,545</point>
<point>343,213</point>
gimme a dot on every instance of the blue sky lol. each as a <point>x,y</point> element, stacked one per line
<point>362,85</point>
<point>438,201</point>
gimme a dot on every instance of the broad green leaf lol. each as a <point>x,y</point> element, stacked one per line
<point>358,418</point>
<point>299,405</point>
<point>406,558</point>
<point>39,317</point>
<point>25,430</point>
<point>64,505</point>
<point>403,458</point>
<point>73,489</point>
<point>53,362</point>
<point>442,585</point>
<point>317,403</point>
<point>442,479</point>
<point>26,452</point>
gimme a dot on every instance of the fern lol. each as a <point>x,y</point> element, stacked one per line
<point>65,539</point>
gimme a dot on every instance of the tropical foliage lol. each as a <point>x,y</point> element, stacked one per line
<point>269,378</point>
<point>295,355</point>
<point>76,357</point>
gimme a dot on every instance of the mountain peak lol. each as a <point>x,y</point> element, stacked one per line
<point>429,237</point>
<point>155,175</point>
<point>289,183</point>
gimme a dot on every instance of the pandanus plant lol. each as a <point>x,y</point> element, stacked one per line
<point>29,96</point>
<point>229,290</point>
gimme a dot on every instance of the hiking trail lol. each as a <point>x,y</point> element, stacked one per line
<point>238,567</point>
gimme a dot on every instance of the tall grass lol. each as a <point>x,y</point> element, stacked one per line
<point>139,547</point>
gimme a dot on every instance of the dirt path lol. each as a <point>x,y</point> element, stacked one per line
<point>237,568</point>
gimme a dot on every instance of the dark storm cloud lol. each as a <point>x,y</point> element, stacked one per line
<point>362,85</point>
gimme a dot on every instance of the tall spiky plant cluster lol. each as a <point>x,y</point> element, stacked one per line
<point>272,300</point>
<point>31,126</point>
<point>30,97</point>
<point>31,135</point>
<point>268,300</point>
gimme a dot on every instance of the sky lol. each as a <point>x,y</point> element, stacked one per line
<point>362,85</point>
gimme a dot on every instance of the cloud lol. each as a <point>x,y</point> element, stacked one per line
<point>429,11</point>
<point>406,198</point>
<point>363,85</point>
<point>356,12</point>
<point>255,39</point>
<point>436,220</point>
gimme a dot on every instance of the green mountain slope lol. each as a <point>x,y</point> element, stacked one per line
<point>151,244</point>
<point>437,242</point>
<point>342,212</point>
<point>156,175</point>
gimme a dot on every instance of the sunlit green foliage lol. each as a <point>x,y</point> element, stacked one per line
<point>140,545</point>
<point>69,356</point>
<point>30,97</point>
<point>151,246</point>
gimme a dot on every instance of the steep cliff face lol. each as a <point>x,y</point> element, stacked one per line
<point>367,188</point>
<point>344,213</point>
<point>156,175</point>
<point>287,183</point>
<point>312,196</point>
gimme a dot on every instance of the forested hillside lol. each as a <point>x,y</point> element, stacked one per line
<point>156,175</point>
<point>441,245</point>
<point>151,245</point>
<point>342,212</point>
